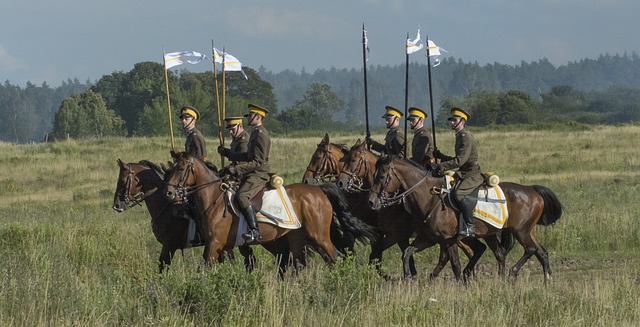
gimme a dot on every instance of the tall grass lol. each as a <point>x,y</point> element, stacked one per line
<point>69,260</point>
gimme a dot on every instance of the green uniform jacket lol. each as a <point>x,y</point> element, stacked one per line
<point>239,147</point>
<point>393,142</point>
<point>421,147</point>
<point>255,169</point>
<point>466,160</point>
<point>195,145</point>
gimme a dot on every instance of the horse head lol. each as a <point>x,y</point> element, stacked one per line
<point>325,163</point>
<point>385,182</point>
<point>129,188</point>
<point>187,176</point>
<point>358,168</point>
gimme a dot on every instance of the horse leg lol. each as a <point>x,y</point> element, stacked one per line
<point>498,251</point>
<point>165,257</point>
<point>418,244</point>
<point>296,246</point>
<point>443,258</point>
<point>403,244</point>
<point>381,245</point>
<point>249,258</point>
<point>473,249</point>
<point>531,247</point>
<point>452,251</point>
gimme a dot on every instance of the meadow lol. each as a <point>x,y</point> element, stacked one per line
<point>68,259</point>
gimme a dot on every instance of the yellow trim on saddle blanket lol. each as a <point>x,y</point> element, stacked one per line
<point>491,206</point>
<point>277,209</point>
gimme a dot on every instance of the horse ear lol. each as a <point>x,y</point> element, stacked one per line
<point>174,154</point>
<point>325,139</point>
<point>357,142</point>
<point>120,163</point>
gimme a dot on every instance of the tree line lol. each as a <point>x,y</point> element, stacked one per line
<point>594,91</point>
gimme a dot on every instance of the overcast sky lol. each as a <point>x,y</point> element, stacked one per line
<point>47,40</point>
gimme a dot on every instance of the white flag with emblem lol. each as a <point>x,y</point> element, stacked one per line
<point>415,45</point>
<point>173,59</point>
<point>231,63</point>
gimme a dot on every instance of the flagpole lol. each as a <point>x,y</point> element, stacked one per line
<point>215,78</point>
<point>406,94</point>
<point>366,97</point>
<point>166,84</point>
<point>433,118</point>
<point>224,87</point>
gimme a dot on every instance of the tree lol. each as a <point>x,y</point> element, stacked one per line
<point>86,115</point>
<point>321,101</point>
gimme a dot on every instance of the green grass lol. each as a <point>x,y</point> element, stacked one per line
<point>70,260</point>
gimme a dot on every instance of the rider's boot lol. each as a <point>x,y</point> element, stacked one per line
<point>252,236</point>
<point>466,207</point>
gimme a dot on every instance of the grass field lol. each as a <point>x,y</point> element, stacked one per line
<point>70,260</point>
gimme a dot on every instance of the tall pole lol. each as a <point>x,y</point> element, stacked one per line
<point>166,85</point>
<point>220,118</point>
<point>224,88</point>
<point>406,94</point>
<point>433,118</point>
<point>366,97</point>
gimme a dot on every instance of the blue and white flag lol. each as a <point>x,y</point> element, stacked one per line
<point>173,59</point>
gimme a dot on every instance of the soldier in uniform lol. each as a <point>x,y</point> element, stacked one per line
<point>466,161</point>
<point>240,138</point>
<point>394,140</point>
<point>421,146</point>
<point>194,144</point>
<point>254,169</point>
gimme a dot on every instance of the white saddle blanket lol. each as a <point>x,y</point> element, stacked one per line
<point>491,207</point>
<point>276,210</point>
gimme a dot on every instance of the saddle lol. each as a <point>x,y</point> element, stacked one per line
<point>491,204</point>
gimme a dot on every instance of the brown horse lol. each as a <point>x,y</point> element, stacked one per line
<point>143,181</point>
<point>527,205</point>
<point>326,164</point>
<point>314,206</point>
<point>397,224</point>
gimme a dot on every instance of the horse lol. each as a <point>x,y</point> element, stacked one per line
<point>314,206</point>
<point>326,164</point>
<point>358,174</point>
<point>527,205</point>
<point>140,182</point>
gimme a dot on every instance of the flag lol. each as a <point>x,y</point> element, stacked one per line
<point>415,45</point>
<point>173,59</point>
<point>366,43</point>
<point>231,63</point>
<point>434,51</point>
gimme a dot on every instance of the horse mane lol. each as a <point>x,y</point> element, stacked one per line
<point>342,147</point>
<point>153,167</point>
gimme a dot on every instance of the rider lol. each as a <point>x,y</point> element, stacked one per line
<point>254,169</point>
<point>466,160</point>
<point>421,146</point>
<point>394,140</point>
<point>237,150</point>
<point>194,144</point>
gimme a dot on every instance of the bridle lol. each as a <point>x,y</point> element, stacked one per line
<point>397,197</point>
<point>325,167</point>
<point>182,190</point>
<point>355,183</point>
<point>124,192</point>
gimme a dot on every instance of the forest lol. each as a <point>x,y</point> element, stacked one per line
<point>605,90</point>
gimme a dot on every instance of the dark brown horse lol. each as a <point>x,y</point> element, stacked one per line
<point>392,226</point>
<point>527,205</point>
<point>398,224</point>
<point>313,205</point>
<point>143,182</point>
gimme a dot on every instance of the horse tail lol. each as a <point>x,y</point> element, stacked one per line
<point>552,206</point>
<point>349,226</point>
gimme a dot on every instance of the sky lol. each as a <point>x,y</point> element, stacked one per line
<point>52,41</point>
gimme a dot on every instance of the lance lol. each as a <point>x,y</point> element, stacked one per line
<point>366,97</point>
<point>220,118</point>
<point>433,119</point>
<point>406,93</point>
<point>166,84</point>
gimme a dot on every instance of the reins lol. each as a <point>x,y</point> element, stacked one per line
<point>399,197</point>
